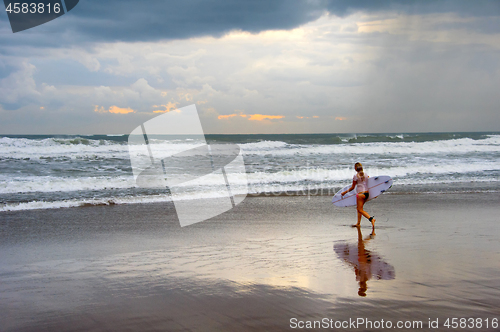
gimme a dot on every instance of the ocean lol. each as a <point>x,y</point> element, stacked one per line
<point>115,264</point>
<point>64,171</point>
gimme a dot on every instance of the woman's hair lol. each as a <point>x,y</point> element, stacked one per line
<point>361,173</point>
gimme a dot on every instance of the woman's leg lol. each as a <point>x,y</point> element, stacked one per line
<point>371,219</point>
<point>358,213</point>
<point>360,202</point>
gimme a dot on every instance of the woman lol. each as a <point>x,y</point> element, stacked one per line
<point>360,182</point>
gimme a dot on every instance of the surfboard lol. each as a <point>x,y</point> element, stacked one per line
<point>376,186</point>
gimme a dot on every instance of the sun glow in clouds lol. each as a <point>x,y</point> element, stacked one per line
<point>308,117</point>
<point>252,117</point>
<point>168,107</point>
<point>113,109</point>
<point>220,117</point>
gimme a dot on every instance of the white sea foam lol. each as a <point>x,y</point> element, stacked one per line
<point>42,205</point>
<point>27,184</point>
<point>23,148</point>
<point>265,146</point>
<point>455,146</point>
<point>207,193</point>
<point>162,198</point>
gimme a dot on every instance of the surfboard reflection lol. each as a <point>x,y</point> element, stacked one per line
<point>366,264</point>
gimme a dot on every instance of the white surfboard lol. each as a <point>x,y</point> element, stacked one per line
<point>376,186</point>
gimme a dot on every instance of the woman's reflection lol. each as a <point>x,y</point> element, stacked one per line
<point>366,264</point>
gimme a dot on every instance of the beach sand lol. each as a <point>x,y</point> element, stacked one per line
<point>254,268</point>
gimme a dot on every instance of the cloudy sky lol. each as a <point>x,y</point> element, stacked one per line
<point>256,66</point>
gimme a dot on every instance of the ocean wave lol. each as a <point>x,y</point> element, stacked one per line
<point>455,146</point>
<point>87,148</point>
<point>265,146</point>
<point>72,203</point>
<point>284,175</point>
<point>22,148</point>
<point>79,148</point>
<point>47,184</point>
<point>400,186</point>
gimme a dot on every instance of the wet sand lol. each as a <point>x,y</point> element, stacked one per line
<point>271,259</point>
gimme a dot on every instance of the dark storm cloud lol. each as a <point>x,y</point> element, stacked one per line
<point>461,7</point>
<point>127,20</point>
<point>131,20</point>
<point>152,20</point>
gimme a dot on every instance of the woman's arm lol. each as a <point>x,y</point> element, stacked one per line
<point>352,188</point>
